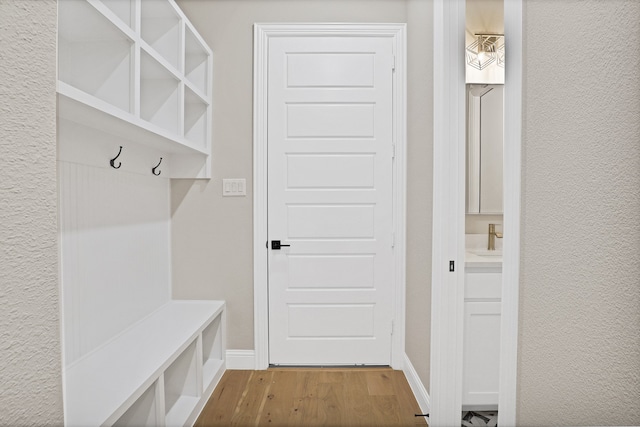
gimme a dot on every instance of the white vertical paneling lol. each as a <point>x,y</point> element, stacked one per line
<point>115,260</point>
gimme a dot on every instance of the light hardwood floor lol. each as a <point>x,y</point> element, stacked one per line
<point>312,397</point>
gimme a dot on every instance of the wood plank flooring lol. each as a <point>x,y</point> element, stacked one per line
<point>312,397</point>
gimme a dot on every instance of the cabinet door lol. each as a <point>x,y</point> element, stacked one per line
<point>481,354</point>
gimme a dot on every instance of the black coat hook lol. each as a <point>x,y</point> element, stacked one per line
<point>153,171</point>
<point>113,161</point>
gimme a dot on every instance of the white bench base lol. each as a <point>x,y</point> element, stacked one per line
<point>160,371</point>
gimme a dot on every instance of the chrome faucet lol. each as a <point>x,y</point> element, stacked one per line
<point>492,237</point>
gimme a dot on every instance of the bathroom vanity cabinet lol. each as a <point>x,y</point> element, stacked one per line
<point>481,343</point>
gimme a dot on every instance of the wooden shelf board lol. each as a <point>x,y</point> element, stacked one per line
<point>102,385</point>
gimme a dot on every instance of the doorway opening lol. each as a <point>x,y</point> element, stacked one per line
<point>448,285</point>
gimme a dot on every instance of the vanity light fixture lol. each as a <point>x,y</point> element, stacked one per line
<point>484,50</point>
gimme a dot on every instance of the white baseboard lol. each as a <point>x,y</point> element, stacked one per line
<point>243,360</point>
<point>419,390</point>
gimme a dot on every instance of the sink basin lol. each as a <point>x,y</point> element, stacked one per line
<point>485,252</point>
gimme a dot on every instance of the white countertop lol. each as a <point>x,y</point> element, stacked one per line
<point>482,261</point>
<point>478,256</point>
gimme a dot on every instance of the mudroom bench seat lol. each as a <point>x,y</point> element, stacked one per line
<point>159,371</point>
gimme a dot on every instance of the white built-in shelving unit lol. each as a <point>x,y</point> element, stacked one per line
<point>138,71</point>
<point>134,82</point>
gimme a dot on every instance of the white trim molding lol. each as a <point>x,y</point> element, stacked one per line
<point>260,191</point>
<point>447,287</point>
<point>417,387</point>
<point>513,32</point>
<point>262,34</point>
<point>243,360</point>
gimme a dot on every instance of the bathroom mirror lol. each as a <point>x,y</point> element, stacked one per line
<point>485,134</point>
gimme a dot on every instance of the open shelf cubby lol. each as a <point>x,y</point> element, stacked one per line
<point>143,412</point>
<point>212,351</point>
<point>123,9</point>
<point>196,61</point>
<point>195,118</point>
<point>182,389</point>
<point>94,56</point>
<point>159,95</point>
<point>160,28</point>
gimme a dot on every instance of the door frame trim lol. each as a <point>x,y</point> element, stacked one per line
<point>447,288</point>
<point>448,202</point>
<point>513,101</point>
<point>262,34</point>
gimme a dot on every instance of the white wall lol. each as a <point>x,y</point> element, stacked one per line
<point>479,223</point>
<point>419,185</point>
<point>579,352</point>
<point>30,361</point>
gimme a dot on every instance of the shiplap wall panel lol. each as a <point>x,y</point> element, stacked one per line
<point>115,256</point>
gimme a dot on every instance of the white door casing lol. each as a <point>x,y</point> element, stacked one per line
<point>327,195</point>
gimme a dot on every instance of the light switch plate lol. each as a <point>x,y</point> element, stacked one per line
<point>234,187</point>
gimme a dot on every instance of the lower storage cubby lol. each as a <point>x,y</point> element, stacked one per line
<point>212,354</point>
<point>143,412</point>
<point>182,388</point>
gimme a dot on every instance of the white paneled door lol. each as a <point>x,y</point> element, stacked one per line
<point>330,163</point>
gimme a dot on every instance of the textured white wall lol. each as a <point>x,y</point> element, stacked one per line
<point>579,350</point>
<point>30,361</point>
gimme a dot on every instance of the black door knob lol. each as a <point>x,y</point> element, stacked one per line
<point>276,245</point>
